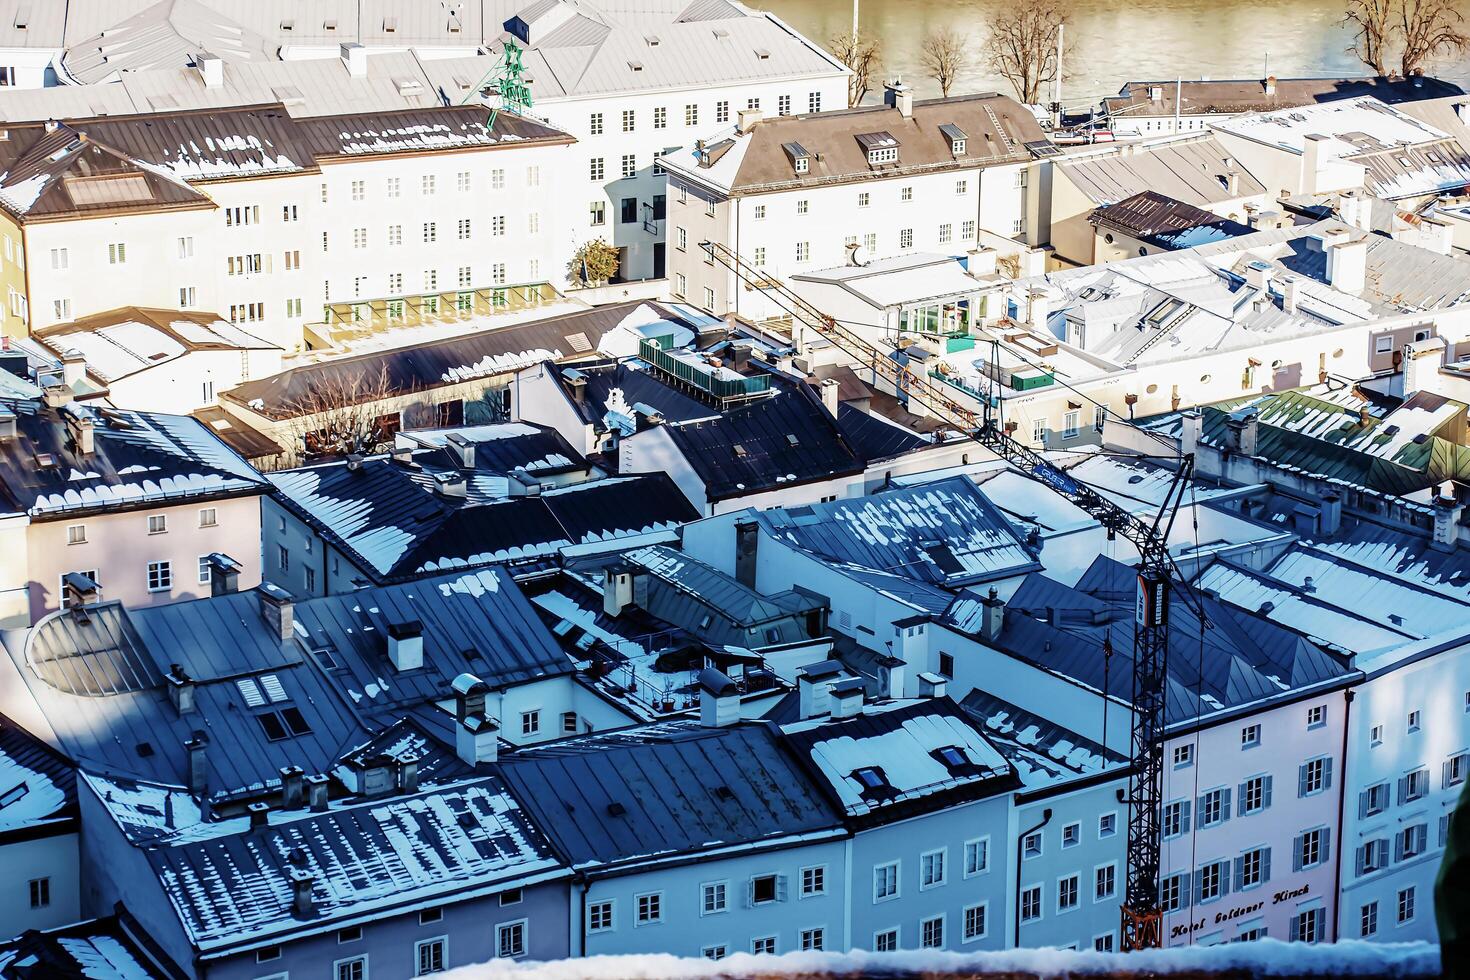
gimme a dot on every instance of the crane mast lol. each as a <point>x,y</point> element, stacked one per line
<point>1142,922</point>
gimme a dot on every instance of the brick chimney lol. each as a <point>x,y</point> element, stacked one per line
<point>278,609</point>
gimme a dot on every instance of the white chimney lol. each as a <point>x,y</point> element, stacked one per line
<point>73,367</point>
<point>719,699</point>
<point>830,388</point>
<point>994,618</point>
<point>354,56</point>
<point>1347,266</point>
<point>476,733</point>
<point>890,677</point>
<point>1258,274</point>
<point>463,449</point>
<point>1311,162</point>
<point>617,590</point>
<point>846,698</point>
<point>931,685</point>
<point>1189,432</point>
<point>747,120</point>
<point>1447,511</point>
<point>406,645</point>
<point>813,687</point>
<point>1270,84</point>
<point>1291,293</point>
<point>897,95</point>
<point>211,68</point>
<point>1156,93</point>
<point>1039,309</point>
<point>981,262</point>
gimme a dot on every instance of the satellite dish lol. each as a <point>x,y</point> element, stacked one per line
<point>857,255</point>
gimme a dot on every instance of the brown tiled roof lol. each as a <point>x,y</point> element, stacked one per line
<point>996,127</point>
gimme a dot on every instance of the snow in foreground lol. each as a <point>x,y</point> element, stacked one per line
<point>1267,957</point>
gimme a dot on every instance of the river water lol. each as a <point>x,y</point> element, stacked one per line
<point>1111,41</point>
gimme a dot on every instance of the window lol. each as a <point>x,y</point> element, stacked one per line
<point>763,946</point>
<point>885,941</point>
<point>1255,794</point>
<point>1455,769</point>
<point>975,925</point>
<point>803,206</point>
<point>681,239</point>
<point>759,255</point>
<point>967,229</point>
<point>431,230</point>
<point>1413,786</point>
<point>1311,849</point>
<point>600,916</point>
<point>1368,920</point>
<point>1307,926</point>
<point>931,869</point>
<point>464,228</point>
<point>977,856</point>
<point>628,210</point>
<point>628,120</point>
<point>1031,845</point>
<point>510,939</point>
<point>722,111</point>
<point>395,186</point>
<point>905,193</point>
<point>1314,777</point>
<point>630,164</point>
<point>946,233</point>
<point>803,251</point>
<point>353,969</point>
<point>1375,736</point>
<point>660,117</point>
<point>650,908</point>
<point>1214,807</point>
<point>714,952</point>
<point>349,935</point>
<point>931,932</point>
<point>464,181</point>
<point>76,534</point>
<point>395,235</point>
<point>1373,856</point>
<point>187,297</point>
<point>430,916</point>
<point>40,893</point>
<point>427,184</point>
<point>497,178</point>
<point>1038,430</point>
<point>885,881</point>
<point>765,889</point>
<point>1406,905</point>
<point>1107,825</point>
<point>594,124</point>
<point>709,298</point>
<point>814,102</point>
<point>1067,893</point>
<point>1176,818</point>
<point>160,576</point>
<point>1171,893</point>
<point>1383,344</point>
<point>530,723</point>
<point>204,570</point>
<point>267,954</point>
<point>117,254</point>
<point>1103,943</point>
<point>1031,904</point>
<point>359,238</point>
<point>714,898</point>
<point>430,956</point>
<point>1252,868</point>
<point>1072,835</point>
<point>1415,717</point>
<point>59,258</point>
<point>905,238</point>
<point>1104,882</point>
<point>1071,425</point>
<point>864,199</point>
<point>1317,716</point>
<point>759,212</point>
<point>1250,736</point>
<point>597,213</point>
<point>813,939</point>
<point>1211,881</point>
<point>691,115</point>
<point>597,168</point>
<point>359,190</point>
<point>569,722</point>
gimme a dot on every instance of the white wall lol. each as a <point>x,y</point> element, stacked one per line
<point>55,858</point>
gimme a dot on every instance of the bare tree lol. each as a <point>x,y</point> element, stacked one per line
<point>1372,23</point>
<point>1428,28</point>
<point>863,57</point>
<point>1023,47</point>
<point>944,55</point>
<point>338,413</point>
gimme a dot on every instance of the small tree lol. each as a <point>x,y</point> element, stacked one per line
<point>945,54</point>
<point>1429,28</point>
<point>1372,23</point>
<point>863,58</point>
<point>595,263</point>
<point>341,413</point>
<point>1023,47</point>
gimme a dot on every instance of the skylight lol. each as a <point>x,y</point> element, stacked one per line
<point>870,777</point>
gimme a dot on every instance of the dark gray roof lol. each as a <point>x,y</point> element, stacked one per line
<point>114,948</point>
<point>874,437</point>
<point>139,459</point>
<point>1244,657</point>
<point>1041,749</point>
<point>453,360</point>
<point>665,789</point>
<point>1156,219</point>
<point>944,533</point>
<point>38,786</point>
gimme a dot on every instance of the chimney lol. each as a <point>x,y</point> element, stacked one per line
<point>51,125</point>
<point>377,777</point>
<point>617,589</point>
<point>1311,162</point>
<point>830,388</point>
<point>259,814</point>
<point>813,684</point>
<point>1291,294</point>
<point>354,462</point>
<point>317,786</point>
<point>82,429</point>
<point>994,618</point>
<point>278,609</point>
<point>577,382</point>
<point>1190,426</point>
<point>1232,183</point>
<point>897,95</point>
<point>462,449</point>
<point>747,549</point>
<point>1241,430</point>
<point>408,773</point>
<point>406,645</point>
<point>1038,309</point>
<point>1330,521</point>
<point>1258,275</point>
<point>1447,511</point>
<point>846,697</point>
<point>740,358</point>
<point>1347,266</point>
<point>73,367</point>
<point>56,395</point>
<point>890,677</point>
<point>719,699</point>
<point>302,882</point>
<point>211,69</point>
<point>293,787</point>
<point>81,591</point>
<point>1270,85</point>
<point>198,769</point>
<point>931,685</point>
<point>980,263</point>
<point>224,574</point>
<point>451,484</point>
<point>354,56</point>
<point>477,738</point>
<point>747,120</point>
<point>1156,93</point>
<point>180,690</point>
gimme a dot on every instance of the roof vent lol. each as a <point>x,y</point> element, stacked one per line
<point>616,809</point>
<point>635,65</point>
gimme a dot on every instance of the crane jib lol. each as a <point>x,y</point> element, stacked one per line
<point>1056,478</point>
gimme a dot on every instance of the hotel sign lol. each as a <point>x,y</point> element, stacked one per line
<point>1239,912</point>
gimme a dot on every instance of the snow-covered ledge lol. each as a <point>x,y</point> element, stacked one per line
<point>1266,957</point>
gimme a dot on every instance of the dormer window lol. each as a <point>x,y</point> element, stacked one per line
<point>870,777</point>
<point>880,148</point>
<point>803,165</point>
<point>951,756</point>
<point>801,160</point>
<point>957,138</point>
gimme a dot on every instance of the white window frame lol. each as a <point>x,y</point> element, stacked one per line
<point>704,891</point>
<point>982,844</point>
<point>926,861</point>
<point>612,916</point>
<point>418,956</point>
<point>897,892</point>
<point>337,966</point>
<point>501,928</point>
<point>984,908</point>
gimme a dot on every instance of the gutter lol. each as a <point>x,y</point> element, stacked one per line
<point>1347,708</point>
<point>1016,896</point>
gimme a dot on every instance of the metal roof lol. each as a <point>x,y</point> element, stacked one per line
<point>1042,750</point>
<point>944,533</point>
<point>666,789</point>
<point>114,948</point>
<point>38,785</point>
<point>1152,217</point>
<point>691,582</point>
<point>1193,170</point>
